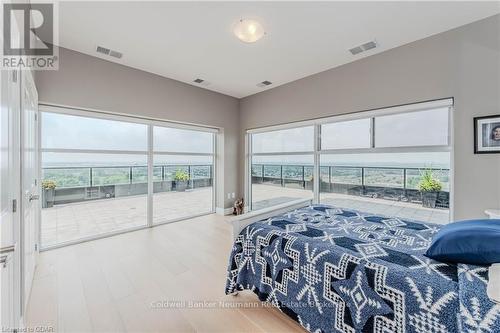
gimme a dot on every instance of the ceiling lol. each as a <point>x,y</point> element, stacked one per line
<point>189,40</point>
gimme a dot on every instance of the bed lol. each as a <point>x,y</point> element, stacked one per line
<point>340,270</point>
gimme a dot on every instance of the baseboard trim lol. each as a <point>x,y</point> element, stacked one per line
<point>224,211</point>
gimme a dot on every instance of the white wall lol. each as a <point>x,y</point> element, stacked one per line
<point>463,63</point>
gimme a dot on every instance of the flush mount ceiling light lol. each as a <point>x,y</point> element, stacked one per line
<point>248,31</point>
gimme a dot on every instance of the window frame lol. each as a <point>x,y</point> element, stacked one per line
<point>250,155</point>
<point>371,114</point>
<point>149,154</point>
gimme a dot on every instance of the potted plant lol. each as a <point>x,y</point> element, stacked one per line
<point>181,179</point>
<point>48,189</point>
<point>429,188</point>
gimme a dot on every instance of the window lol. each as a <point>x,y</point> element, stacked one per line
<point>299,139</point>
<point>346,134</point>
<point>86,194</point>
<point>278,175</point>
<point>96,176</point>
<point>373,164</point>
<point>185,161</point>
<point>385,183</point>
<point>169,139</point>
<point>422,128</point>
<point>62,131</point>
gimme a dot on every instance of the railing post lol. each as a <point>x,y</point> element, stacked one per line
<point>162,173</point>
<point>262,167</point>
<point>282,183</point>
<point>130,175</point>
<point>404,180</point>
<point>303,177</point>
<point>90,176</point>
<point>330,178</point>
<point>363,177</point>
<point>190,178</point>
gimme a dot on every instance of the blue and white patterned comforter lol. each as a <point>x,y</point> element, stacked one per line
<point>337,270</point>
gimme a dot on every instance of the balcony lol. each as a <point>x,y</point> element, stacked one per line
<point>89,201</point>
<point>77,184</point>
<point>378,190</point>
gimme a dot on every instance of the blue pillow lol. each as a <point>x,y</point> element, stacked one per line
<point>469,242</point>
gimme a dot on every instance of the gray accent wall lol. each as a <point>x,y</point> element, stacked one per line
<point>463,63</point>
<point>88,82</point>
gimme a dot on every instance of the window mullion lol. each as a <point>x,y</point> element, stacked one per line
<point>316,170</point>
<point>150,177</point>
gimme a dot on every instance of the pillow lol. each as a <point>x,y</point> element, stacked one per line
<point>469,242</point>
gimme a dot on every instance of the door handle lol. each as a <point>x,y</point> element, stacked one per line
<point>5,253</point>
<point>34,197</point>
<point>7,249</point>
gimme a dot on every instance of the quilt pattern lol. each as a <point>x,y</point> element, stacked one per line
<point>338,270</point>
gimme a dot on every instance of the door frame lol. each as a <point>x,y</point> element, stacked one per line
<point>12,245</point>
<point>24,77</point>
<point>149,153</point>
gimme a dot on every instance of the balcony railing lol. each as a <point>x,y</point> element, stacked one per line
<point>71,177</point>
<point>392,183</point>
<point>75,184</point>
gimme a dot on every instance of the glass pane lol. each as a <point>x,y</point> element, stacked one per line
<point>423,128</point>
<point>279,179</point>
<point>181,140</point>
<point>186,187</point>
<point>67,176</point>
<point>86,195</point>
<point>288,140</point>
<point>346,134</point>
<point>140,174</point>
<point>386,184</point>
<point>74,132</point>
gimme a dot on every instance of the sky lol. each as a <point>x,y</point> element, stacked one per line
<point>421,128</point>
<point>73,132</point>
<point>417,128</point>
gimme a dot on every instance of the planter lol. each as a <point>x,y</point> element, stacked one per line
<point>180,186</point>
<point>429,199</point>
<point>48,198</point>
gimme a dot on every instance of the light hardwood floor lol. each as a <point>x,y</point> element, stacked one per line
<point>116,284</point>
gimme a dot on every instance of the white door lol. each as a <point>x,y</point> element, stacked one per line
<point>29,181</point>
<point>10,253</point>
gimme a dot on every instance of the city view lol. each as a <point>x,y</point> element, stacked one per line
<point>81,176</point>
<point>408,177</point>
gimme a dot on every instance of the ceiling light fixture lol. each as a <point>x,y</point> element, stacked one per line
<point>248,31</point>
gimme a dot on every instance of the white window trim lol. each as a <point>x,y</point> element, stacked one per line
<point>149,153</point>
<point>371,114</point>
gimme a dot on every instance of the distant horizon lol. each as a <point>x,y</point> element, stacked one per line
<point>288,163</point>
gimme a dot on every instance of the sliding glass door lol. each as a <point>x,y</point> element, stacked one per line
<point>393,162</point>
<point>90,183</point>
<point>104,174</point>
<point>184,172</point>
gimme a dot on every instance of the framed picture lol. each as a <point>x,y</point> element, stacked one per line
<point>487,135</point>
